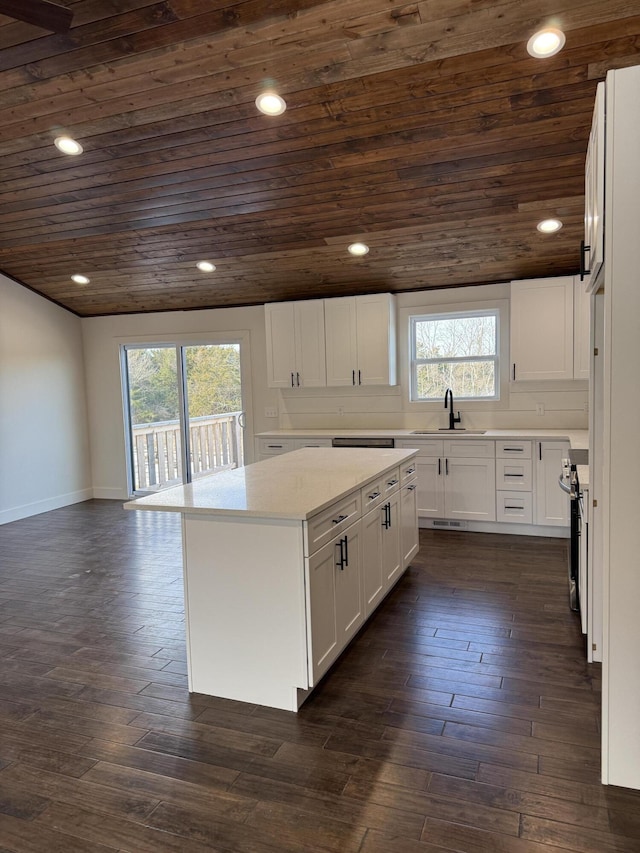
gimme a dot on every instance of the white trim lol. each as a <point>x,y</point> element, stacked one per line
<point>37,507</point>
<point>425,309</point>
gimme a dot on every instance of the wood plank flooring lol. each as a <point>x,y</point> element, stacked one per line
<point>463,717</point>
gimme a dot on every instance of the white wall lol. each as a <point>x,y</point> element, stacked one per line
<point>44,455</point>
<point>564,402</point>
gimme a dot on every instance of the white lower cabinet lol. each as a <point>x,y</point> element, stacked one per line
<point>551,504</point>
<point>456,479</point>
<point>409,534</point>
<point>470,489</point>
<point>335,595</point>
<point>514,482</point>
<point>391,563</point>
<point>358,548</point>
<point>383,547</point>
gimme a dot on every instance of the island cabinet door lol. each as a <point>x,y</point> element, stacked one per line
<point>335,598</point>
<point>322,625</point>
<point>408,523</point>
<point>391,542</point>
<point>349,599</point>
<point>372,576</point>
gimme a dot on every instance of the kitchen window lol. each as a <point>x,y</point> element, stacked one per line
<point>458,350</point>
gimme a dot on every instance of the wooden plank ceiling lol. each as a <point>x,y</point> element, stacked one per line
<point>425,130</point>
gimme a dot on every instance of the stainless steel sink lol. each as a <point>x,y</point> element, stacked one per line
<point>448,431</point>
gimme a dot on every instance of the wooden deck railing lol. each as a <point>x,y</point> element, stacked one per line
<point>215,444</point>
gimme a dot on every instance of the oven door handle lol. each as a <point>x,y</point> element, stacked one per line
<point>563,485</point>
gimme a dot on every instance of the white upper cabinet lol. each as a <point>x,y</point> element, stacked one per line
<point>542,329</point>
<point>295,344</point>
<point>581,330</point>
<point>593,246</point>
<point>361,341</point>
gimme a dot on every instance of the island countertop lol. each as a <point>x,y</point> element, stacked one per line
<point>291,486</point>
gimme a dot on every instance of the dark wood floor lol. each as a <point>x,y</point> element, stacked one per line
<point>463,718</point>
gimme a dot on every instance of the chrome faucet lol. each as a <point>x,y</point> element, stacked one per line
<point>453,419</point>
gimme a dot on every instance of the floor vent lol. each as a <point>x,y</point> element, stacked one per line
<point>459,525</point>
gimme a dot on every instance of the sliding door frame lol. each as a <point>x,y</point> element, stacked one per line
<point>179,341</point>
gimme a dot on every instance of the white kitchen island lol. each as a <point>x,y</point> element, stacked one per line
<point>283,562</point>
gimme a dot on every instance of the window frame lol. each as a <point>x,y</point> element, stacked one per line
<point>414,362</point>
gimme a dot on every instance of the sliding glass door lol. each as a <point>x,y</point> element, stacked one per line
<point>184,410</point>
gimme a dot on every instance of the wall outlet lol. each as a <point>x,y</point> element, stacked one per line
<point>539,408</point>
<point>271,411</point>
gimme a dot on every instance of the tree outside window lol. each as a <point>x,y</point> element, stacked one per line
<point>457,351</point>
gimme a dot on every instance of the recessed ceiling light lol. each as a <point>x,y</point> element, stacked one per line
<point>549,226</point>
<point>546,42</point>
<point>271,104</point>
<point>358,249</point>
<point>67,145</point>
<point>80,279</point>
<point>206,266</point>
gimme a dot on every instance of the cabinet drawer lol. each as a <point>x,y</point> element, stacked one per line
<point>514,507</point>
<point>391,482</point>
<point>431,447</point>
<point>274,446</point>
<point>513,449</point>
<point>373,493</point>
<point>513,475</point>
<point>321,528</point>
<point>299,443</point>
<point>408,471</point>
<point>463,448</point>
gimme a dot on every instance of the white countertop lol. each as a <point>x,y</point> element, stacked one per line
<point>578,438</point>
<point>291,486</point>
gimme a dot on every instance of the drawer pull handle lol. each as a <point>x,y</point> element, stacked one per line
<point>514,507</point>
<point>410,470</point>
<point>339,519</point>
<point>275,446</point>
<point>374,495</point>
<point>514,475</point>
<point>392,482</point>
<point>514,449</point>
<point>411,488</point>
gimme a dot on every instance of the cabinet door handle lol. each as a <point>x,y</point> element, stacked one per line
<point>298,379</point>
<point>583,250</point>
<point>339,519</point>
<point>353,377</point>
<point>359,378</point>
<point>292,382</point>
<point>439,467</point>
<point>346,551</point>
<point>540,451</point>
<point>374,495</point>
<point>340,562</point>
<point>514,371</point>
<point>446,467</point>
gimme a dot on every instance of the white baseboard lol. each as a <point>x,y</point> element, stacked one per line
<point>502,527</point>
<point>110,494</point>
<point>37,507</point>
